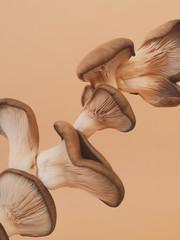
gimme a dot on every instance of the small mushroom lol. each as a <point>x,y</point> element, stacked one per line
<point>155,70</point>
<point>26,206</point>
<point>76,163</point>
<point>18,124</point>
<point>106,108</point>
<point>99,66</point>
<point>3,234</point>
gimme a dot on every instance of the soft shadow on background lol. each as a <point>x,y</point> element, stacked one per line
<point>41,45</point>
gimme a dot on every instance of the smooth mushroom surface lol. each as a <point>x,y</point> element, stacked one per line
<point>18,124</point>
<point>99,66</point>
<point>106,108</point>
<point>26,206</point>
<point>155,69</point>
<point>3,234</point>
<point>76,163</point>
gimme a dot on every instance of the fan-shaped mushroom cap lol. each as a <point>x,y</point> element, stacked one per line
<point>3,234</point>
<point>161,31</point>
<point>99,66</point>
<point>107,108</point>
<point>157,62</point>
<point>18,124</point>
<point>76,163</point>
<point>26,206</point>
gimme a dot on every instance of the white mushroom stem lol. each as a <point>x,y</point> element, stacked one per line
<point>56,170</point>
<point>86,124</point>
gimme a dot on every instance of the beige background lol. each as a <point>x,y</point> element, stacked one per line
<point>41,43</point>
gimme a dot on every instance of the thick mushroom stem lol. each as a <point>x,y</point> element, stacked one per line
<point>106,108</point>
<point>76,163</point>
<point>18,124</point>
<point>86,124</point>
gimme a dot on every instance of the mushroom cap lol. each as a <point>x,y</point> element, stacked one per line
<point>83,155</point>
<point>28,206</point>
<point>103,54</point>
<point>86,94</point>
<point>18,123</point>
<point>161,31</point>
<point>3,234</point>
<point>124,120</point>
<point>33,127</point>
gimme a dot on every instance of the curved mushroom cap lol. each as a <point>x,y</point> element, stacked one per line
<point>161,52</point>
<point>26,206</point>
<point>92,171</point>
<point>98,66</point>
<point>155,70</point>
<point>18,124</point>
<point>3,234</point>
<point>161,31</point>
<point>86,94</point>
<point>107,108</point>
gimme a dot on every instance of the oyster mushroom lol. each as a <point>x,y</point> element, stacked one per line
<point>76,163</point>
<point>26,206</point>
<point>155,70</point>
<point>99,66</point>
<point>106,108</point>
<point>18,124</point>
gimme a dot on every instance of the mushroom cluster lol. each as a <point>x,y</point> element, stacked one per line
<point>152,72</point>
<point>74,162</point>
<point>26,206</point>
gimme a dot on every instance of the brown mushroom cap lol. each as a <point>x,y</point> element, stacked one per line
<point>122,120</point>
<point>18,123</point>
<point>83,155</point>
<point>86,94</point>
<point>28,207</point>
<point>103,54</point>
<point>3,234</point>
<point>161,31</point>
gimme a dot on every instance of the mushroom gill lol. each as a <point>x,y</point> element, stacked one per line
<point>26,206</point>
<point>76,163</point>
<point>154,71</point>
<point>106,108</point>
<point>18,124</point>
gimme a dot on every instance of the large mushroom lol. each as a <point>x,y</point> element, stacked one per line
<point>155,70</point>
<point>18,124</point>
<point>104,107</point>
<point>26,206</point>
<point>76,163</point>
<point>100,65</point>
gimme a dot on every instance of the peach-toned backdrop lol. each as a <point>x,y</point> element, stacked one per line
<point>41,44</point>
